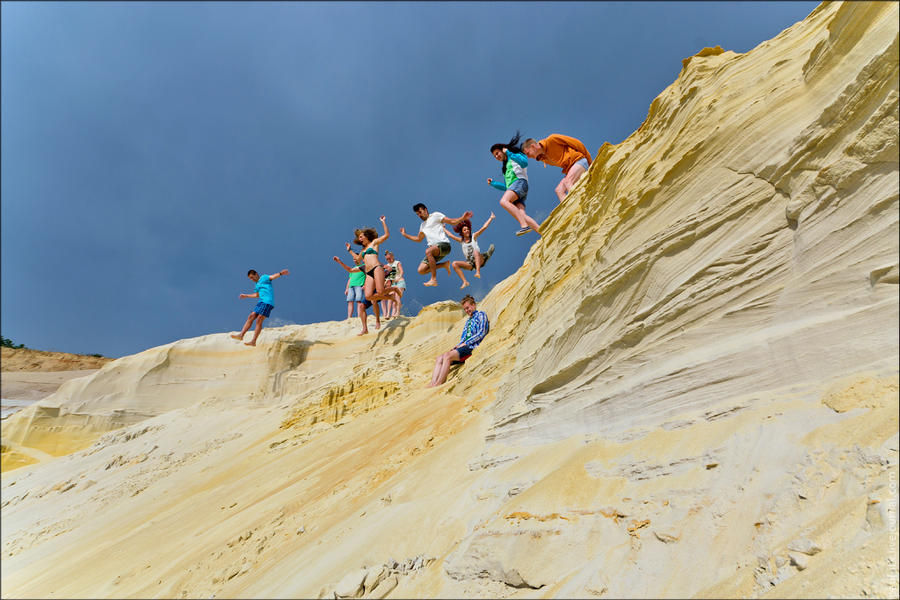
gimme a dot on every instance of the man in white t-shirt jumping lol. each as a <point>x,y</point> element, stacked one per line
<point>432,230</point>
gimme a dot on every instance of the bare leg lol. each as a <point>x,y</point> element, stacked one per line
<point>390,293</point>
<point>371,292</point>
<point>380,286</point>
<point>458,266</point>
<point>572,177</point>
<point>349,309</point>
<point>373,297</point>
<point>257,331</point>
<point>506,201</point>
<point>560,189</point>
<point>531,222</point>
<point>432,265</point>
<point>478,262</point>
<point>247,326</point>
<point>395,301</point>
<point>363,317</point>
<point>399,303</point>
<point>442,367</point>
<point>435,373</point>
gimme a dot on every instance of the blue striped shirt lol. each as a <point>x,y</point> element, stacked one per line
<point>476,327</point>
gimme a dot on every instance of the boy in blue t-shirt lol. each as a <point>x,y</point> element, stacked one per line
<point>263,307</point>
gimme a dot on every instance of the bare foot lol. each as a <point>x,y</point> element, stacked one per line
<point>363,332</point>
<point>464,285</point>
<point>237,337</point>
<point>430,283</point>
<point>249,343</point>
<point>478,275</point>
<point>377,324</point>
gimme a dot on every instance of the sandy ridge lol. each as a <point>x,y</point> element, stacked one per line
<point>26,359</point>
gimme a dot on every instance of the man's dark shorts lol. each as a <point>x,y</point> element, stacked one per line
<point>443,250</point>
<point>464,351</point>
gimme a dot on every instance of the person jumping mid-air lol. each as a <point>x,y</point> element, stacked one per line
<point>265,305</point>
<point>374,287</point>
<point>515,189</point>
<point>475,259</point>
<point>432,230</point>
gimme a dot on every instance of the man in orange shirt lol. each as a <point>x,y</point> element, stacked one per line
<point>560,151</point>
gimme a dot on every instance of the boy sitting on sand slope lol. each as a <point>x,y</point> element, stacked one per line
<point>265,305</point>
<point>476,327</point>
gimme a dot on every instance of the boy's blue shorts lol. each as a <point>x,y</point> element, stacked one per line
<point>263,309</point>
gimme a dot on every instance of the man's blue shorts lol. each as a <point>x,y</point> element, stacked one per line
<point>355,293</point>
<point>263,309</point>
<point>464,351</point>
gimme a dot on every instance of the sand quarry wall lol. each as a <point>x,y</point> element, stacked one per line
<point>690,388</point>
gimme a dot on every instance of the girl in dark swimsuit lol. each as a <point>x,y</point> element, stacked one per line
<point>374,287</point>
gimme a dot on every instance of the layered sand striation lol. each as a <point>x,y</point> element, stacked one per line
<point>690,388</point>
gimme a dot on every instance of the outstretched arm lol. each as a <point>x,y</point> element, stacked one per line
<point>449,221</point>
<point>418,238</point>
<point>387,233</point>
<point>496,184</point>
<point>346,268</point>
<point>483,227</point>
<point>253,295</point>
<point>451,235</point>
<point>352,253</point>
<point>279,274</point>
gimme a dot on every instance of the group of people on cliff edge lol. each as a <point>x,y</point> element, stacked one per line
<point>373,284</point>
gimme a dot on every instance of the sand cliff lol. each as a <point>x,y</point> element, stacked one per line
<point>690,388</point>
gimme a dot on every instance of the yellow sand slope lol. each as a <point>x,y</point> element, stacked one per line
<point>690,388</point>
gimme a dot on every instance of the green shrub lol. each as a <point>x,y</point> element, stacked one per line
<point>8,343</point>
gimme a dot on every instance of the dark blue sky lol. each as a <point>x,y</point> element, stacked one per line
<point>153,152</point>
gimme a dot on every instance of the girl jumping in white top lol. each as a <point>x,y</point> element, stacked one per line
<point>475,259</point>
